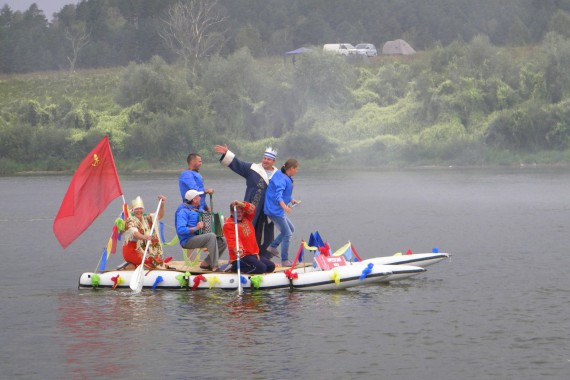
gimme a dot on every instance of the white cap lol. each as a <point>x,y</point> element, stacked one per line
<point>270,153</point>
<point>191,194</point>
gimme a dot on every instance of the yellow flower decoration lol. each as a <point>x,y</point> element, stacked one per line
<point>213,281</point>
<point>335,276</point>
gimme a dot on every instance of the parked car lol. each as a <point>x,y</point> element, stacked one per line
<point>342,49</point>
<point>368,50</point>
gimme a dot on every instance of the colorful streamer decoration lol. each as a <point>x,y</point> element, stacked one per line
<point>213,281</point>
<point>104,257</point>
<point>290,274</point>
<point>183,279</point>
<point>256,281</point>
<point>95,279</point>
<point>366,271</point>
<point>120,224</point>
<point>197,280</point>
<point>335,276</point>
<point>163,240</point>
<point>308,247</point>
<point>117,280</point>
<point>158,280</point>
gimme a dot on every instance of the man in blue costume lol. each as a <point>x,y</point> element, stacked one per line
<point>191,179</point>
<point>257,176</point>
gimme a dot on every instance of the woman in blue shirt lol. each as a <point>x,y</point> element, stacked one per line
<point>278,202</point>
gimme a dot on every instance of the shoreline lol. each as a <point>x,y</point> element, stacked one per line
<point>311,168</point>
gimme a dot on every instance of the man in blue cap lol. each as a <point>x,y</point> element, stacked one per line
<point>257,176</point>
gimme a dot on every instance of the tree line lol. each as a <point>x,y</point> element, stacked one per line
<point>467,102</point>
<point>110,33</point>
<point>464,104</point>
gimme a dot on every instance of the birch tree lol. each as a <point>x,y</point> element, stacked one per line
<point>79,38</point>
<point>195,29</point>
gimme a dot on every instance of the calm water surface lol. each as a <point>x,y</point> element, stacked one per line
<point>499,309</point>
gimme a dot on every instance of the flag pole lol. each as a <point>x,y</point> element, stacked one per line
<point>237,251</point>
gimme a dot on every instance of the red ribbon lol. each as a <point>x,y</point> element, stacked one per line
<point>115,280</point>
<point>291,275</point>
<point>197,280</point>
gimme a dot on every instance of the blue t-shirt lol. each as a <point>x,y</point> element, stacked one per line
<point>280,188</point>
<point>192,180</point>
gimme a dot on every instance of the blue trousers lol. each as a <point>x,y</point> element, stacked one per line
<point>250,264</point>
<point>286,229</point>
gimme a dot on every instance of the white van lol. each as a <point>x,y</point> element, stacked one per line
<point>368,50</point>
<point>342,49</point>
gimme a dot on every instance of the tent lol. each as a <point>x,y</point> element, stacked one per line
<point>298,51</point>
<point>397,47</point>
<point>294,53</point>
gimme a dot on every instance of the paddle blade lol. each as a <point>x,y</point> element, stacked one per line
<point>137,279</point>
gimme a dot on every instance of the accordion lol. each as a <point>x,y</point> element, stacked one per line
<point>213,222</point>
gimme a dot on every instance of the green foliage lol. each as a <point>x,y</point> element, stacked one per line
<point>557,66</point>
<point>442,133</point>
<point>306,145</point>
<point>456,105</point>
<point>10,167</point>
<point>154,85</point>
<point>247,99</point>
<point>123,31</point>
<point>323,79</point>
<point>80,117</point>
<point>31,112</point>
<point>560,23</point>
<point>531,127</point>
<point>249,37</point>
<point>167,139</point>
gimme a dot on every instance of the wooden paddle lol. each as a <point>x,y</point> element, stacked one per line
<point>138,276</point>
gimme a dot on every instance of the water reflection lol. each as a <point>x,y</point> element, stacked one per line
<point>99,328</point>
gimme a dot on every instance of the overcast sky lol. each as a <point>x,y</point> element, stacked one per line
<point>49,7</point>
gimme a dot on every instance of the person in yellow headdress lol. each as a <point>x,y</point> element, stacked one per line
<point>137,233</point>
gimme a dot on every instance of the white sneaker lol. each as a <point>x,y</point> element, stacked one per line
<point>286,263</point>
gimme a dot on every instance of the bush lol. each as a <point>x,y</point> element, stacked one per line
<point>9,166</point>
<point>154,85</point>
<point>306,145</point>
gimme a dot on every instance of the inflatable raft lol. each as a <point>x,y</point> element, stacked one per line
<point>306,278</point>
<point>302,277</point>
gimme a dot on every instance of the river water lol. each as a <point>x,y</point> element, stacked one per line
<point>498,309</point>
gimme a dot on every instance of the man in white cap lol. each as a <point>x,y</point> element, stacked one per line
<point>188,228</point>
<point>257,178</point>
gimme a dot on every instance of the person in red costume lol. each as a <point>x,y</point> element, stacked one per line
<point>250,260</point>
<point>137,234</point>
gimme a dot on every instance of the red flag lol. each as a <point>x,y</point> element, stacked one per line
<point>93,186</point>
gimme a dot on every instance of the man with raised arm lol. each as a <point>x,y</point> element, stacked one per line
<point>257,176</point>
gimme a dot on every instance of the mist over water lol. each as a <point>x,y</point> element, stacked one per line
<point>498,309</point>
